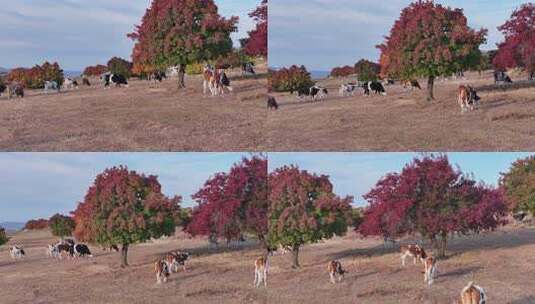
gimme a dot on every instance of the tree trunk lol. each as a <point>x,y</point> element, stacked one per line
<point>181,76</point>
<point>295,258</point>
<point>443,245</point>
<point>430,86</point>
<point>124,255</point>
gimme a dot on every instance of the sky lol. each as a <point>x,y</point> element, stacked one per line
<point>355,174</point>
<point>322,34</point>
<point>79,33</point>
<point>38,185</point>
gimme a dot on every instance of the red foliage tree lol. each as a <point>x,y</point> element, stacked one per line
<point>303,209</point>
<point>34,78</point>
<point>289,79</point>
<point>37,224</point>
<point>257,43</point>
<point>342,71</point>
<point>123,207</point>
<point>518,49</point>
<point>430,40</point>
<point>181,32</point>
<point>234,203</point>
<point>433,199</point>
<point>95,70</point>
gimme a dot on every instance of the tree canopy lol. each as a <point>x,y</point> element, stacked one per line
<point>257,43</point>
<point>123,207</point>
<point>303,209</point>
<point>120,66</point>
<point>518,48</point>
<point>519,185</point>
<point>3,236</point>
<point>430,40</point>
<point>367,70</point>
<point>234,203</point>
<point>180,32</point>
<point>433,199</point>
<point>61,225</point>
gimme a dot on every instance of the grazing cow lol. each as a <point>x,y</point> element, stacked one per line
<point>272,103</point>
<point>116,79</point>
<point>412,84</point>
<point>113,248</point>
<point>500,77</point>
<point>348,89</point>
<point>174,259</point>
<point>430,270</point>
<point>69,83</point>
<point>52,251</point>
<point>248,68</point>
<point>222,82</point>
<point>64,249</point>
<point>260,271</point>
<point>162,271</point>
<point>318,92</point>
<point>467,98</point>
<point>375,87</point>
<point>473,294</point>
<point>16,90</point>
<point>158,76</point>
<point>51,86</point>
<point>17,252</point>
<point>335,270</point>
<point>81,250</point>
<point>414,251</point>
<point>85,81</point>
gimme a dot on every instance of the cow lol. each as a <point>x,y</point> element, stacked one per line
<point>375,87</point>
<point>17,252</point>
<point>158,76</point>
<point>272,103</point>
<point>248,68</point>
<point>467,98</point>
<point>430,270</point>
<point>16,90</point>
<point>69,83</point>
<point>222,82</point>
<point>64,249</point>
<point>3,88</point>
<point>116,79</point>
<point>413,250</point>
<point>85,81</point>
<point>318,92</point>
<point>335,271</point>
<point>280,250</point>
<point>209,80</point>
<point>176,258</point>
<point>500,77</point>
<point>260,272</point>
<point>411,84</point>
<point>348,89</point>
<point>52,251</point>
<point>112,248</point>
<point>162,271</point>
<point>81,250</point>
<point>473,294</point>
<point>51,86</point>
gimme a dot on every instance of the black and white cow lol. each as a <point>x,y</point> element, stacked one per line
<point>3,88</point>
<point>159,76</point>
<point>51,86</point>
<point>81,250</point>
<point>17,252</point>
<point>500,77</point>
<point>177,258</point>
<point>348,89</point>
<point>318,92</point>
<point>69,83</point>
<point>373,86</point>
<point>272,103</point>
<point>116,79</point>
<point>64,249</point>
<point>248,68</point>
<point>16,90</point>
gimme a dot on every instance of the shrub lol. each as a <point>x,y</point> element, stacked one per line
<point>289,79</point>
<point>95,70</point>
<point>194,69</point>
<point>120,66</point>
<point>3,236</point>
<point>367,70</point>
<point>34,78</point>
<point>61,225</point>
<point>37,224</point>
<point>342,71</point>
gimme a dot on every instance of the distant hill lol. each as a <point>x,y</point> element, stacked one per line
<point>12,226</point>
<point>319,74</point>
<point>72,73</point>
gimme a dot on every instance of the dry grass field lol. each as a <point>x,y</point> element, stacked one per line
<point>503,262</point>
<point>138,118</point>
<point>405,121</point>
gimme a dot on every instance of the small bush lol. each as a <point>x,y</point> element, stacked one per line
<point>3,236</point>
<point>95,70</point>
<point>289,79</point>
<point>342,71</point>
<point>120,66</point>
<point>61,225</point>
<point>37,224</point>
<point>367,70</point>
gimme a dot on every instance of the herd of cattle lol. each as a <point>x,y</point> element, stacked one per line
<point>170,263</point>
<point>467,95</point>
<point>470,294</point>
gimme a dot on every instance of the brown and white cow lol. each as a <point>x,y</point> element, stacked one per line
<point>430,270</point>
<point>175,259</point>
<point>467,98</point>
<point>335,271</point>
<point>413,250</point>
<point>472,294</point>
<point>162,271</point>
<point>260,271</point>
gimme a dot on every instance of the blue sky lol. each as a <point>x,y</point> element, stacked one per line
<point>322,34</point>
<point>78,33</point>
<point>38,185</point>
<point>356,173</point>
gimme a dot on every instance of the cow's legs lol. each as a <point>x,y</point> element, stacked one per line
<point>265,277</point>
<point>403,257</point>
<point>255,278</point>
